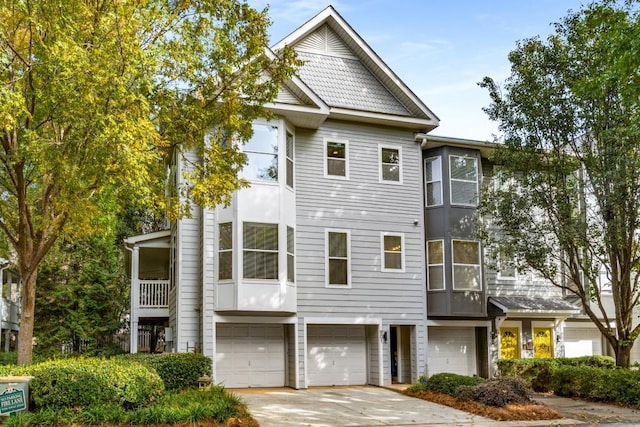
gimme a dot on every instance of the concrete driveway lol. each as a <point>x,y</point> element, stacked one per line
<point>355,407</point>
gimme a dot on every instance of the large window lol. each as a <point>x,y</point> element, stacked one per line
<point>289,153</point>
<point>466,265</point>
<point>291,257</point>
<point>337,159</point>
<point>262,154</point>
<point>390,167</point>
<point>338,258</point>
<point>463,172</point>
<point>435,265</point>
<point>225,251</point>
<point>392,252</point>
<point>260,251</point>
<point>433,181</point>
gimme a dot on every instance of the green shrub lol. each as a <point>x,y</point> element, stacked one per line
<point>179,371</point>
<point>8,358</point>
<point>538,373</point>
<point>83,382</point>
<point>448,383</point>
<point>496,392</point>
<point>601,384</point>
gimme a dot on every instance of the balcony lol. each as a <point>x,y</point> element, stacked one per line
<point>154,298</point>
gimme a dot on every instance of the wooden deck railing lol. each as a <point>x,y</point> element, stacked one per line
<point>154,293</point>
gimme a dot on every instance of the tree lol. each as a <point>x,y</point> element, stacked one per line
<point>97,97</point>
<point>568,206</point>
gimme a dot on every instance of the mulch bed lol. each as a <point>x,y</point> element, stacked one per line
<point>529,412</point>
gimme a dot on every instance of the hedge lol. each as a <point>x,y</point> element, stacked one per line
<point>82,382</point>
<point>605,385</point>
<point>448,383</point>
<point>538,373</point>
<point>179,371</point>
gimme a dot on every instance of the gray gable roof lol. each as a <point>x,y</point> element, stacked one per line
<point>351,78</point>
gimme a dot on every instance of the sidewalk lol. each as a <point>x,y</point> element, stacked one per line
<point>591,413</point>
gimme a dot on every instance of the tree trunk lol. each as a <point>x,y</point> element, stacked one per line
<point>28,305</point>
<point>623,355</point>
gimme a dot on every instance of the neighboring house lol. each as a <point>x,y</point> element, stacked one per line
<point>315,274</point>
<point>9,306</point>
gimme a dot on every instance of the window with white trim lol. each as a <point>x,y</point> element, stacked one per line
<point>225,251</point>
<point>260,250</point>
<point>392,252</point>
<point>435,265</point>
<point>338,264</point>
<point>433,181</point>
<point>262,154</point>
<point>336,159</point>
<point>291,257</point>
<point>463,177</point>
<point>390,164</point>
<point>506,268</point>
<point>289,155</point>
<point>466,265</point>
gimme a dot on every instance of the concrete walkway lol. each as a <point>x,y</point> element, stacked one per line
<point>361,407</point>
<point>591,413</point>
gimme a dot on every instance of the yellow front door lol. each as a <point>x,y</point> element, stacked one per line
<point>542,342</point>
<point>509,343</point>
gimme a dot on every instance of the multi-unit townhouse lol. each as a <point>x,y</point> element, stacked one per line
<point>352,258</point>
<point>315,274</point>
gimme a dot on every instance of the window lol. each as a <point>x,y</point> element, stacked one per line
<point>337,159</point>
<point>466,265</point>
<point>464,180</point>
<point>260,251</point>
<point>392,252</point>
<point>289,152</point>
<point>337,258</point>
<point>262,154</point>
<point>225,251</point>
<point>506,268</point>
<point>435,265</point>
<point>291,260</point>
<point>433,181</point>
<point>390,164</point>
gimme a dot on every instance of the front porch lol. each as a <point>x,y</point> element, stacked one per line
<point>148,259</point>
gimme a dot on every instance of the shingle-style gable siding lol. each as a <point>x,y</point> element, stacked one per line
<point>340,79</point>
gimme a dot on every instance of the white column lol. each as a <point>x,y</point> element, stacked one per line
<point>135,300</point>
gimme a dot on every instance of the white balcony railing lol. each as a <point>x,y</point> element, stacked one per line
<point>154,293</point>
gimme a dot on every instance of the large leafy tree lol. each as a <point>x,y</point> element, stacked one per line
<point>97,95</point>
<point>568,205</point>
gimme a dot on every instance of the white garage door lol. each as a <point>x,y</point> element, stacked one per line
<point>250,355</point>
<point>336,355</point>
<point>452,350</point>
<point>582,342</point>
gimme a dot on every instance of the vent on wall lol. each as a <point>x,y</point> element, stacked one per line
<point>325,40</point>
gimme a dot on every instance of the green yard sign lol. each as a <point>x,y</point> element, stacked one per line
<point>12,400</point>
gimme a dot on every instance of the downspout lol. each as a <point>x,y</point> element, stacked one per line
<point>422,138</point>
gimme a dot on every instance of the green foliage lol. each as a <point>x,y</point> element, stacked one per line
<point>620,385</point>
<point>83,382</point>
<point>569,112</point>
<point>187,407</point>
<point>96,98</point>
<point>498,392</point>
<point>538,373</point>
<point>82,296</point>
<point>8,358</point>
<point>178,371</point>
<point>448,383</point>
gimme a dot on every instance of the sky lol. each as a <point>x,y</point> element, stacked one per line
<point>440,49</point>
